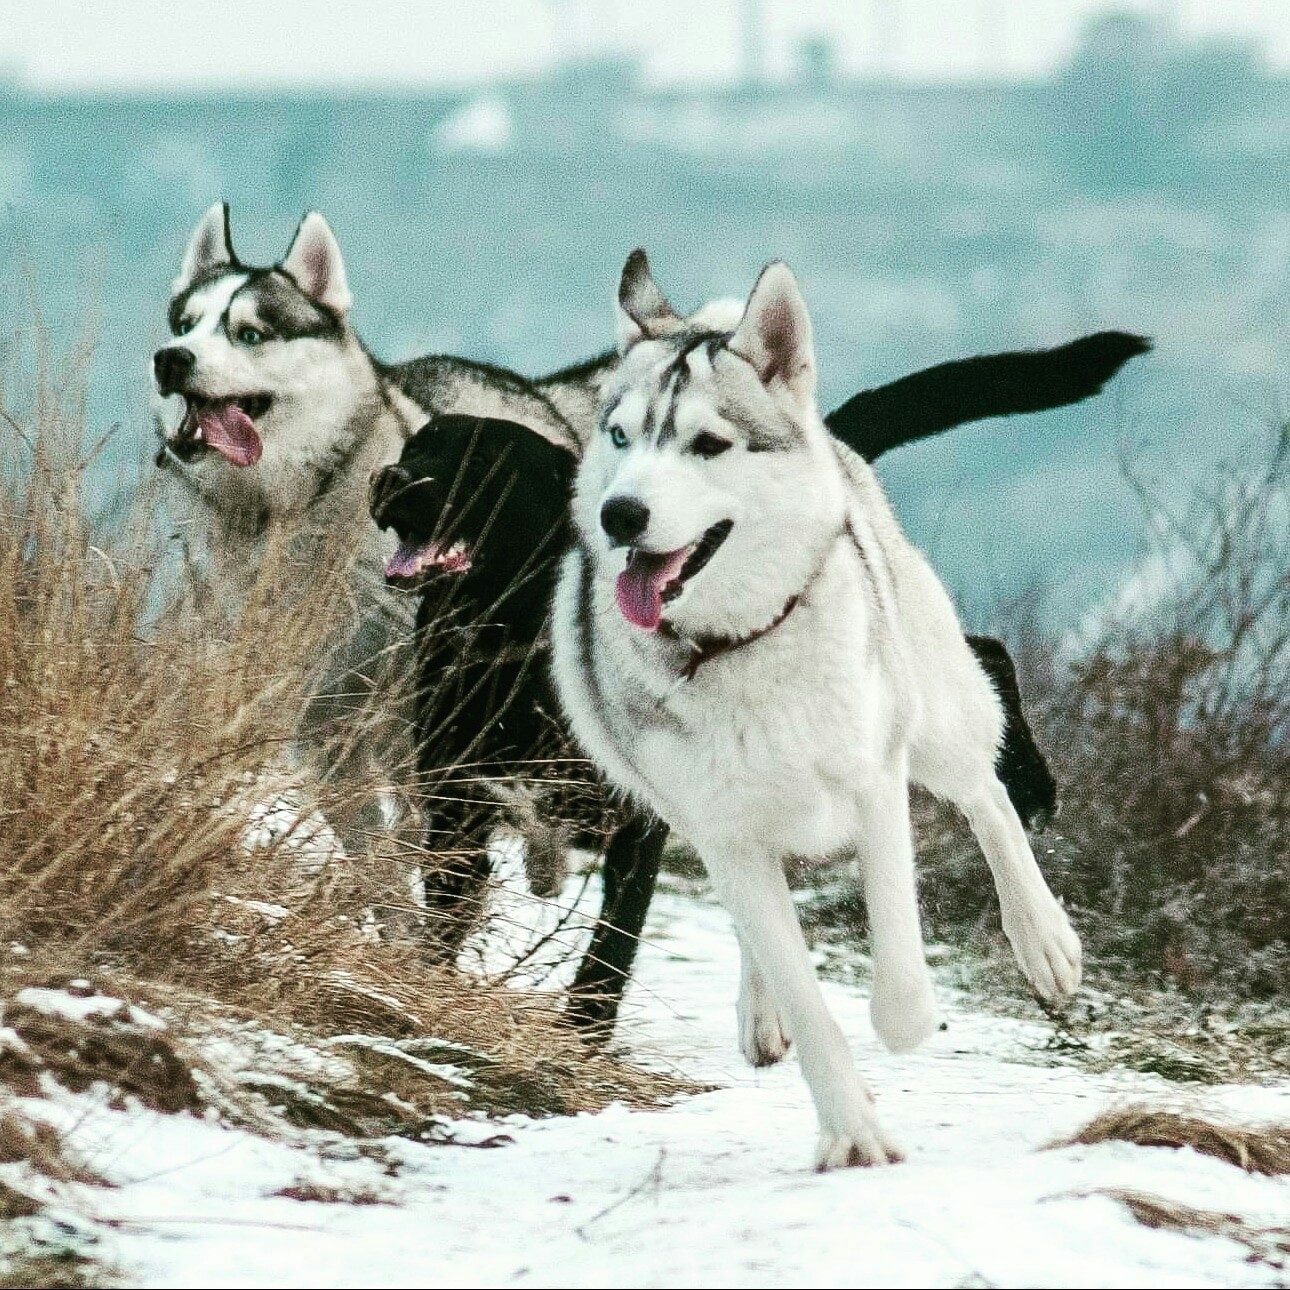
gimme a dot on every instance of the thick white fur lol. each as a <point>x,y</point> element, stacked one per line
<point>803,743</point>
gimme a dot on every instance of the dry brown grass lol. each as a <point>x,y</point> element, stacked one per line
<point>1267,1245</point>
<point>1260,1149</point>
<point>40,1145</point>
<point>322,1194</point>
<point>133,743</point>
<point>136,1060</point>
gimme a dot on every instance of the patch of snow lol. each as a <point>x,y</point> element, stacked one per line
<point>715,1190</point>
<point>274,913</point>
<point>12,1042</point>
<point>70,1007</point>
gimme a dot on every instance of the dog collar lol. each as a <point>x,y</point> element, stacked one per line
<point>706,648</point>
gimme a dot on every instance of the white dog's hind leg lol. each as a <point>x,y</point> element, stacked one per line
<point>754,890</point>
<point>903,1004</point>
<point>763,1036</point>
<point>1047,949</point>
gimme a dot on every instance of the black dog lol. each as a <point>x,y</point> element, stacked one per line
<point>480,510</point>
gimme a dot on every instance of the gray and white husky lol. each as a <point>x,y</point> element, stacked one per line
<point>745,641</point>
<point>283,416</point>
<point>284,413</point>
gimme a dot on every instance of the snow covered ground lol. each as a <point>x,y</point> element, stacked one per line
<point>713,1191</point>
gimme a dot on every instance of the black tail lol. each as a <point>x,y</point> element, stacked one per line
<point>1020,764</point>
<point>971,389</point>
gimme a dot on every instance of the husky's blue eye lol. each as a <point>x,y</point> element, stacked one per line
<point>618,436</point>
<point>249,336</point>
<point>185,326</point>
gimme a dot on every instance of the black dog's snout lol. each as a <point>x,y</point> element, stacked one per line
<point>172,367</point>
<point>624,519</point>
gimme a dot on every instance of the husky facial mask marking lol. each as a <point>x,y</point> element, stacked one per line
<point>673,480</point>
<point>246,342</point>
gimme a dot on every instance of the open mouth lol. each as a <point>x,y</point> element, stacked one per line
<point>226,426</point>
<point>654,579</point>
<point>417,561</point>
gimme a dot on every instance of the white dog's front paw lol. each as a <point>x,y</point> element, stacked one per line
<point>1047,949</point>
<point>861,1141</point>
<point>763,1036</point>
<point>903,1010</point>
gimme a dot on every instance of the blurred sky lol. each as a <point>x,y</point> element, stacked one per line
<point>144,44</point>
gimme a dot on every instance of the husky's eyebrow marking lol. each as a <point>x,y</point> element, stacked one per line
<point>675,379</point>
<point>757,435</point>
<point>211,294</point>
<point>271,294</point>
<point>284,309</point>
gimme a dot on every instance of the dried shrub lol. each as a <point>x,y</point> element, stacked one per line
<point>1262,1149</point>
<point>111,1048</point>
<point>1167,719</point>
<point>322,1194</point>
<point>138,742</point>
<point>1268,1245</point>
<point>41,1146</point>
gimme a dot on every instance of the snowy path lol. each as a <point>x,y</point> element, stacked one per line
<point>715,1191</point>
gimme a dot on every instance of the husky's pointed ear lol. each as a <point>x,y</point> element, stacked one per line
<point>643,310</point>
<point>775,333</point>
<point>315,265</point>
<point>209,247</point>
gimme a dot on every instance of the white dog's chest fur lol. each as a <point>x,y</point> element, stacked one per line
<point>766,745</point>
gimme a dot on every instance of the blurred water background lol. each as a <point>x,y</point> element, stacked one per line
<point>1137,181</point>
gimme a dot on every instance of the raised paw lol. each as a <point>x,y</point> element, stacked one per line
<point>763,1037</point>
<point>1046,946</point>
<point>903,1010</point>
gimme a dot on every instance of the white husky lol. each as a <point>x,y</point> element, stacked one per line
<point>745,641</point>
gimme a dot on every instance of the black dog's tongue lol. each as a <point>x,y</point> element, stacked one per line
<point>640,586</point>
<point>409,559</point>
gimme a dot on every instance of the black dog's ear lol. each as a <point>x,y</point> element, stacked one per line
<point>561,462</point>
<point>209,248</point>
<point>643,310</point>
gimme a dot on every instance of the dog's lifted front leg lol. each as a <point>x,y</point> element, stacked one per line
<point>755,892</point>
<point>1042,938</point>
<point>902,1004</point>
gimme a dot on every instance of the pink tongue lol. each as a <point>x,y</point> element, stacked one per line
<point>639,590</point>
<point>404,562</point>
<point>230,432</point>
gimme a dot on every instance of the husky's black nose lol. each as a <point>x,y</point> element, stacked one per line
<point>624,519</point>
<point>172,367</point>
